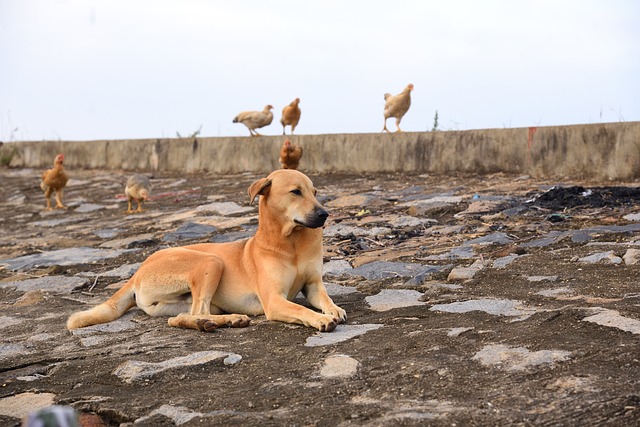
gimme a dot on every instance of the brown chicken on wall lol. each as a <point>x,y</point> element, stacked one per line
<point>138,188</point>
<point>290,155</point>
<point>255,119</point>
<point>397,106</point>
<point>54,180</point>
<point>290,115</point>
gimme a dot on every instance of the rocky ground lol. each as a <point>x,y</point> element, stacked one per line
<point>475,300</point>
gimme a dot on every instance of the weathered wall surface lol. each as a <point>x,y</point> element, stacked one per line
<point>597,151</point>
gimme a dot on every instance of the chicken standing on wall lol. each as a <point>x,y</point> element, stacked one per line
<point>255,119</point>
<point>55,179</point>
<point>397,106</point>
<point>290,115</point>
<point>290,155</point>
<point>138,188</point>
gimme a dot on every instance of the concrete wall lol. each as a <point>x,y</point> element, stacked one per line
<point>599,152</point>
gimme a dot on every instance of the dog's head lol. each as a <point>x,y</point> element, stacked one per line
<point>290,195</point>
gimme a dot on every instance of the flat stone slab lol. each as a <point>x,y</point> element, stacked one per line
<point>608,256</point>
<point>504,261</point>
<point>123,272</point>
<point>89,207</point>
<point>339,366</point>
<point>389,299</point>
<point>225,208</point>
<point>496,307</point>
<point>6,321</point>
<point>518,358</point>
<point>134,370</point>
<point>178,414</point>
<point>21,405</point>
<point>557,292</point>
<point>613,319</point>
<point>340,334</point>
<point>383,269</point>
<point>336,267</point>
<point>188,231</point>
<point>465,273</point>
<point>71,256</point>
<point>128,242</point>
<point>351,200</point>
<point>50,284</point>
<point>342,230</point>
<point>333,289</point>
<point>542,278</point>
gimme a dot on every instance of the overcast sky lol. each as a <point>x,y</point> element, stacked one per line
<point>114,69</point>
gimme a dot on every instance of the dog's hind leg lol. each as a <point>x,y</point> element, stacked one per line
<point>205,278</point>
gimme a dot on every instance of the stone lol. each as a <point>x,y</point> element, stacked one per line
<point>518,358</point>
<point>178,414</point>
<point>342,333</point>
<point>333,289</point>
<point>339,366</point>
<point>613,319</point>
<point>557,292</point>
<point>128,242</point>
<point>465,273</point>
<point>455,332</point>
<point>542,278</point>
<point>225,208</point>
<point>342,230</point>
<point>88,207</point>
<point>189,231</point>
<point>134,370</point>
<point>123,272</point>
<point>351,200</point>
<point>71,256</point>
<point>336,267</point>
<point>631,256</point>
<point>389,299</point>
<point>504,261</point>
<point>6,321</point>
<point>50,284</point>
<point>496,307</point>
<point>608,256</point>
<point>378,270</point>
<point>23,404</point>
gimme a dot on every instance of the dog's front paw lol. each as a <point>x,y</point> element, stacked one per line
<point>338,314</point>
<point>325,323</point>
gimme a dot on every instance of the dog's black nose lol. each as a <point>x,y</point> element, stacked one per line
<point>322,214</point>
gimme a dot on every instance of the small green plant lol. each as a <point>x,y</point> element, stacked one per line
<point>435,122</point>
<point>5,158</point>
<point>193,134</point>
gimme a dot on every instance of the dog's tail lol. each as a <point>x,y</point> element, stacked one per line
<point>108,311</point>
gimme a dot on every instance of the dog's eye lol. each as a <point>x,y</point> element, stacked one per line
<point>296,192</point>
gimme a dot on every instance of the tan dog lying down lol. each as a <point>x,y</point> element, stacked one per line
<point>199,284</point>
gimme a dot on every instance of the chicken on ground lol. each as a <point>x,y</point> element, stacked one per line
<point>55,180</point>
<point>138,188</point>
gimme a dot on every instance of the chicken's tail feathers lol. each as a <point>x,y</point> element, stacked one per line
<point>110,310</point>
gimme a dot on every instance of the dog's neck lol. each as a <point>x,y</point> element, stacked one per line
<point>282,233</point>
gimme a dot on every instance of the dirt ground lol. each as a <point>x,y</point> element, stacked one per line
<point>423,366</point>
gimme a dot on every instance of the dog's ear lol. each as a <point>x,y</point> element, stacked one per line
<point>259,188</point>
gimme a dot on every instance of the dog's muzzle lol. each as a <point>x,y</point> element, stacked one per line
<point>315,219</point>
